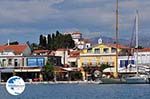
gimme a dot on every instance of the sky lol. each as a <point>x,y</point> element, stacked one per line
<point>25,20</point>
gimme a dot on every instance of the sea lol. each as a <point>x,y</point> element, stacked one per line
<point>81,91</point>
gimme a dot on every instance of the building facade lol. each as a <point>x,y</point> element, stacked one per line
<point>19,60</point>
<point>99,54</point>
<point>142,57</point>
<point>11,55</point>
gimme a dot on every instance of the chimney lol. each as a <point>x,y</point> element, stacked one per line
<point>8,43</point>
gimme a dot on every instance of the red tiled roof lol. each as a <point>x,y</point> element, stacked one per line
<point>119,46</point>
<point>76,33</point>
<point>18,49</point>
<point>62,49</point>
<point>40,51</point>
<point>74,53</point>
<point>52,53</point>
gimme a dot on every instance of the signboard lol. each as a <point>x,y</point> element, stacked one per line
<point>39,62</point>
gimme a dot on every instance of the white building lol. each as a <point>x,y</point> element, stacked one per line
<point>124,61</point>
<point>143,56</point>
<point>11,55</point>
<point>80,42</point>
<point>76,36</point>
<point>63,53</point>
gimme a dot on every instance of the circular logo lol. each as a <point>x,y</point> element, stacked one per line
<point>15,85</point>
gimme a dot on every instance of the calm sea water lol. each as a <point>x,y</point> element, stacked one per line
<point>81,91</point>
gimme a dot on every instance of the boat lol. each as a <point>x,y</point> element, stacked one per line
<point>137,78</point>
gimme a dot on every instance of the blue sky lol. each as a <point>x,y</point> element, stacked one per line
<point>25,20</point>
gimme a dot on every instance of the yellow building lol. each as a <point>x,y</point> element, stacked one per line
<point>100,54</point>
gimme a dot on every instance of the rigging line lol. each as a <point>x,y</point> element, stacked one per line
<point>132,40</point>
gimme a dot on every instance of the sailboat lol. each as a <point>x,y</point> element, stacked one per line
<point>116,79</point>
<point>137,78</point>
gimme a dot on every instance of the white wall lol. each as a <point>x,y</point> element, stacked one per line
<point>27,51</point>
<point>63,54</point>
<point>143,58</point>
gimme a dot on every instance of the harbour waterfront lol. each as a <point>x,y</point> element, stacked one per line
<point>81,91</point>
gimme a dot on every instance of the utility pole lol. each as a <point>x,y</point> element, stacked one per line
<point>117,41</point>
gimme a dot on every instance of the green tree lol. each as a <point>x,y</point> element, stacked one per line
<point>53,41</point>
<point>104,66</point>
<point>13,43</point>
<point>49,42</point>
<point>48,71</point>
<point>34,46</point>
<point>44,43</point>
<point>41,40</point>
<point>56,41</point>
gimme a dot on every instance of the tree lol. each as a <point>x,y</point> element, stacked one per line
<point>41,40</point>
<point>140,47</point>
<point>57,33</point>
<point>71,43</point>
<point>44,43</point>
<point>49,42</point>
<point>104,66</point>
<point>48,71</point>
<point>34,46</point>
<point>53,41</point>
<point>56,41</point>
<point>13,43</point>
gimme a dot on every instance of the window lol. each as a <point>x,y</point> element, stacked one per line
<point>89,50</point>
<point>113,50</point>
<point>106,50</point>
<point>97,51</point>
<point>16,62</point>
<point>9,61</point>
<point>122,63</point>
<point>35,62</point>
<point>4,62</point>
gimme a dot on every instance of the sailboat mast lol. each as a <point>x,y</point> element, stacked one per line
<point>137,42</point>
<point>117,41</point>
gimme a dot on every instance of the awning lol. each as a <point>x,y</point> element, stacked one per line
<point>6,70</point>
<point>28,70</point>
<point>71,69</point>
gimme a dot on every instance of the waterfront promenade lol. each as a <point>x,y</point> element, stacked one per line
<point>61,82</point>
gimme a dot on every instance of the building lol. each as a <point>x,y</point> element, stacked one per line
<point>124,61</point>
<point>83,43</point>
<point>76,36</point>
<point>64,54</point>
<point>73,58</point>
<point>102,53</point>
<point>41,52</point>
<point>10,55</point>
<point>18,60</point>
<point>143,56</point>
<point>80,42</point>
